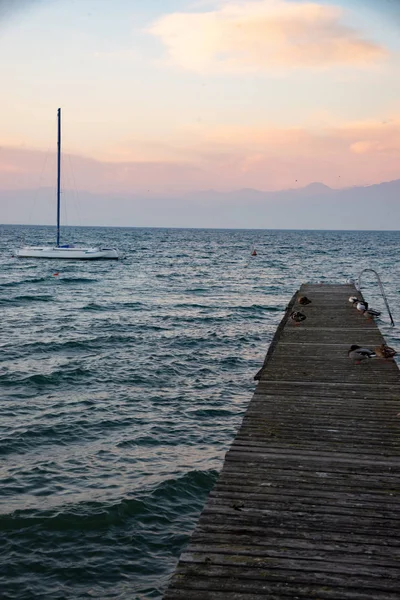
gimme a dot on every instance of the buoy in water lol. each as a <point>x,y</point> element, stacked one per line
<point>55,274</point>
<point>254,253</point>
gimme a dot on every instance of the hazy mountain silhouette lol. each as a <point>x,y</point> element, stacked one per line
<point>315,206</point>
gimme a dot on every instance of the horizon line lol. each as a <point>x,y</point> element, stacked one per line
<point>195,228</point>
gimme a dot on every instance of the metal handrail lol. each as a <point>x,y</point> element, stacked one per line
<point>381,288</point>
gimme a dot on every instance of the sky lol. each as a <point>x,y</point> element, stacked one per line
<point>170,97</point>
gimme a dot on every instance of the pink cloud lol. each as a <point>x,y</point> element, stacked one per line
<point>226,158</point>
<point>263,35</point>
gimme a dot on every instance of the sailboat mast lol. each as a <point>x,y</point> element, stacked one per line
<point>58,174</point>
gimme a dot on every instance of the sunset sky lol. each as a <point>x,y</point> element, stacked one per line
<point>173,96</point>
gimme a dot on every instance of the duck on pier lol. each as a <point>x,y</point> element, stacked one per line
<point>358,353</point>
<point>384,351</point>
<point>362,306</point>
<point>297,316</point>
<point>368,312</point>
<point>354,300</point>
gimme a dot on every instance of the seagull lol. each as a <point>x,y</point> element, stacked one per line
<point>384,351</point>
<point>304,300</point>
<point>357,353</point>
<point>297,316</point>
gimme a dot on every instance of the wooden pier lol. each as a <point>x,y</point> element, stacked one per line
<point>307,503</point>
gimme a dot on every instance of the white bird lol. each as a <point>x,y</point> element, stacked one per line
<point>358,353</point>
<point>353,300</point>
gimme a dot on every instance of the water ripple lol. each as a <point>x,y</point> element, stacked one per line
<point>124,383</point>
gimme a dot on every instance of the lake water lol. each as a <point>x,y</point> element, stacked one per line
<point>123,384</point>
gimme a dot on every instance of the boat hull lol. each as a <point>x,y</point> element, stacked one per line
<point>72,253</point>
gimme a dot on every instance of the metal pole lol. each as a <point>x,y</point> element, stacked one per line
<point>381,288</point>
<point>58,174</point>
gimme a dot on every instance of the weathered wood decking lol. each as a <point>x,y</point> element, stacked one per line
<point>307,503</point>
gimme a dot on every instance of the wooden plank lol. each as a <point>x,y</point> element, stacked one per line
<point>276,592</point>
<point>307,503</point>
<point>254,578</point>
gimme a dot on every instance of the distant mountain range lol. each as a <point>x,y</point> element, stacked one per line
<point>315,206</point>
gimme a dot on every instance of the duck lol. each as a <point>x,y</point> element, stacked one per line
<point>304,300</point>
<point>362,306</point>
<point>297,316</point>
<point>370,313</point>
<point>353,300</point>
<point>358,353</point>
<point>384,351</point>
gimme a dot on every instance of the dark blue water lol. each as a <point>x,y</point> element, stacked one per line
<point>123,384</point>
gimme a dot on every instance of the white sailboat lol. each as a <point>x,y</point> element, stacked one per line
<point>64,251</point>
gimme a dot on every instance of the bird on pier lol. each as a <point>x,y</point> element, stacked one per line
<point>304,300</point>
<point>384,351</point>
<point>297,316</point>
<point>358,353</point>
<point>370,313</point>
<point>362,306</point>
<point>354,300</point>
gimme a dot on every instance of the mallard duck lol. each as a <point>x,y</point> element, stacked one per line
<point>384,351</point>
<point>297,316</point>
<point>358,353</point>
<point>362,306</point>
<point>370,313</point>
<point>304,300</point>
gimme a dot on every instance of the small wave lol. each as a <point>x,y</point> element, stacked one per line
<point>39,379</point>
<point>115,306</point>
<point>231,361</point>
<point>61,346</point>
<point>139,305</point>
<point>199,291</point>
<point>259,307</point>
<point>194,305</point>
<point>77,279</point>
<point>167,501</point>
<point>211,412</point>
<point>24,282</point>
<point>197,319</point>
<point>95,307</point>
<point>62,433</point>
<point>189,485</point>
<point>26,298</point>
<point>172,275</point>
